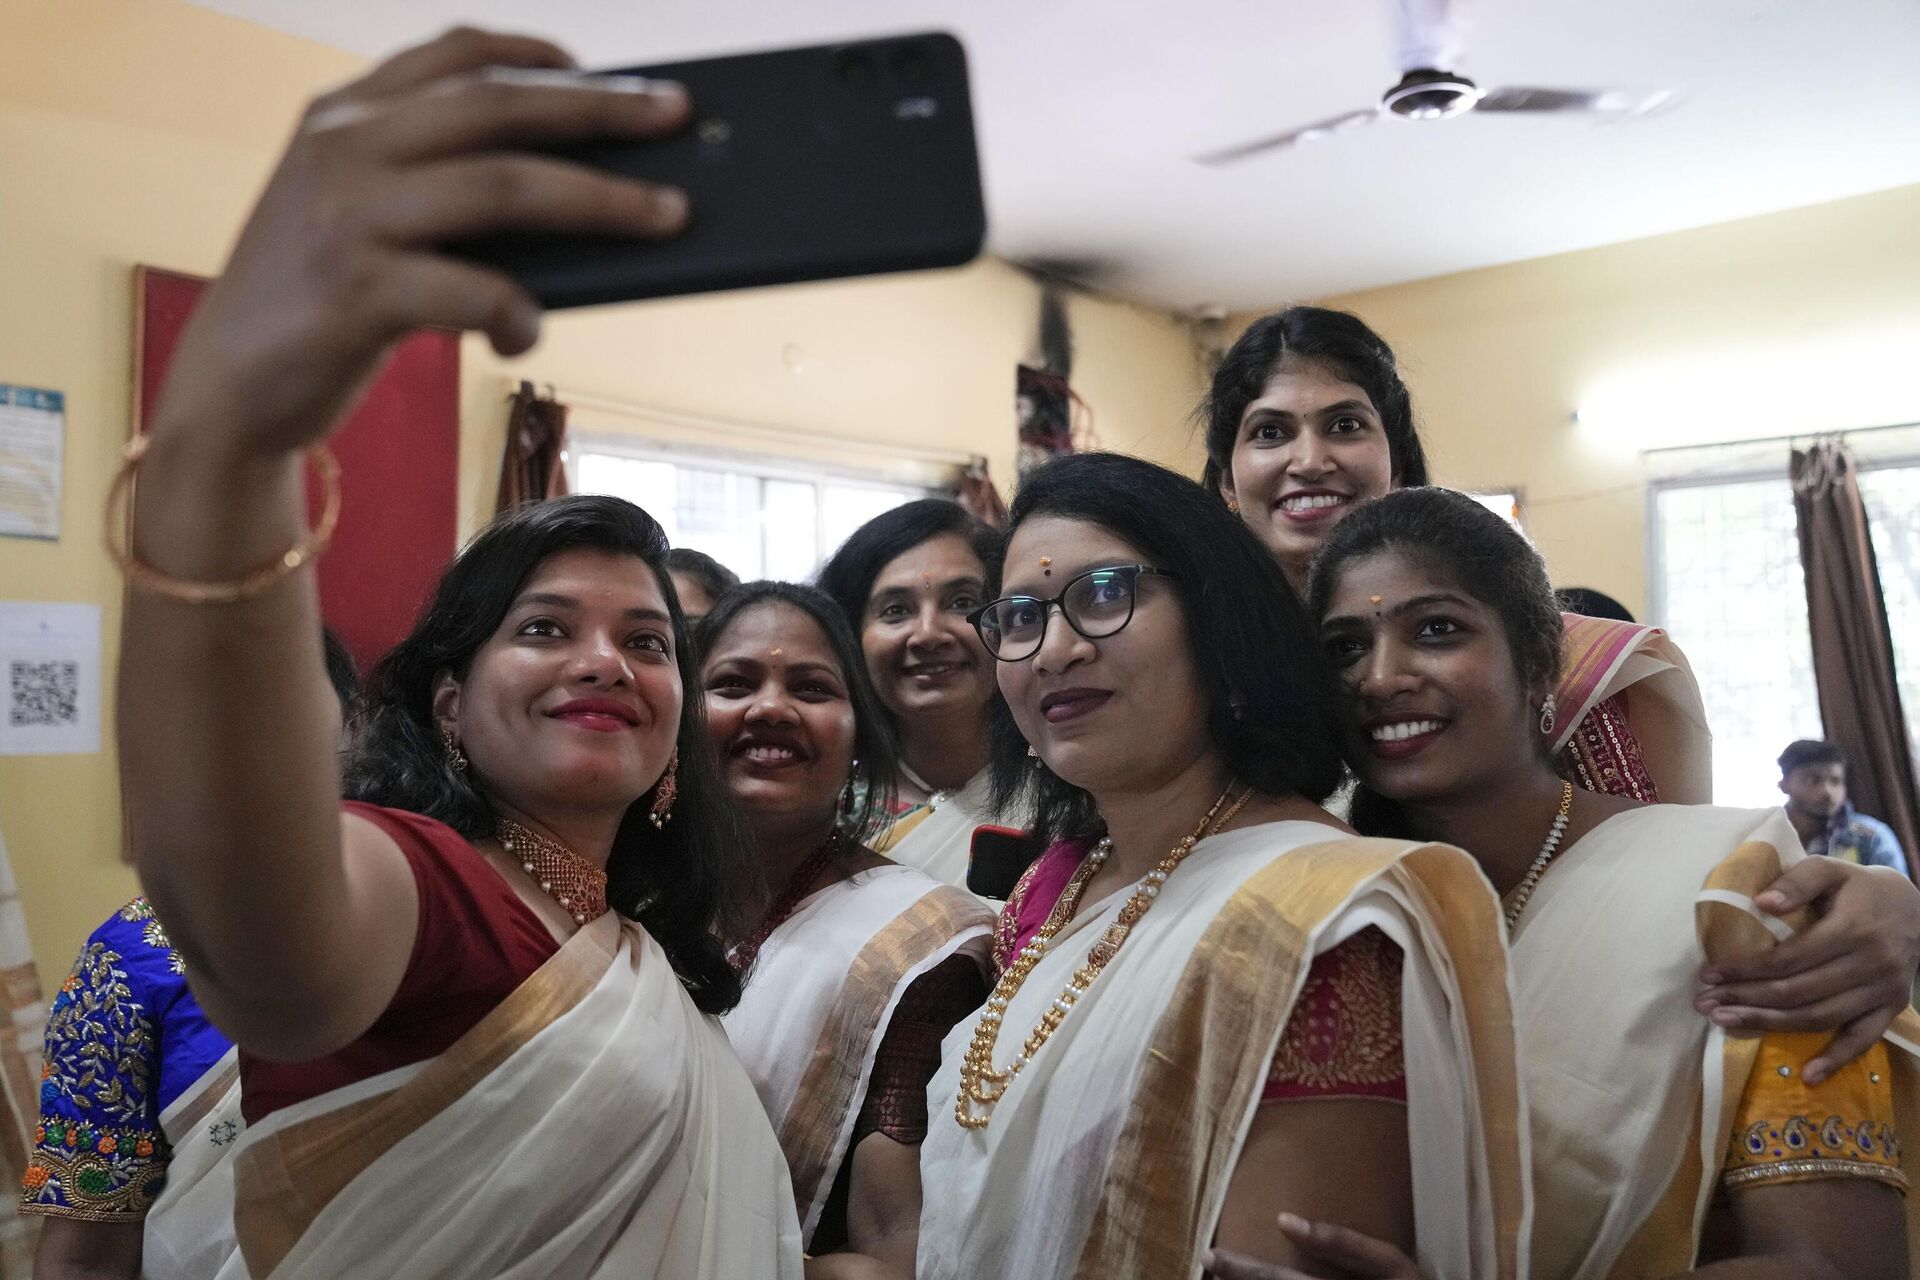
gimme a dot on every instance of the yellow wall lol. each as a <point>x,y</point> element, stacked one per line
<point>137,131</point>
<point>1812,307</point>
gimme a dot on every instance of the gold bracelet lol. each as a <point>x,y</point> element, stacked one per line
<point>147,578</point>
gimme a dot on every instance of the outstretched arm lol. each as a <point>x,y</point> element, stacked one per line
<point>227,726</point>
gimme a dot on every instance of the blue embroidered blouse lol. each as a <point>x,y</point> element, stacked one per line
<point>124,1039</point>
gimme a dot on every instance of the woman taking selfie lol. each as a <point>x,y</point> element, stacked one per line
<point>906,581</point>
<point>1200,1015</point>
<point>858,967</point>
<point>1442,619</point>
<point>1308,420</point>
<point>476,1008</point>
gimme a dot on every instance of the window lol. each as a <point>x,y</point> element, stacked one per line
<point>1727,584</point>
<point>1892,496</point>
<point>1504,503</point>
<point>762,518</point>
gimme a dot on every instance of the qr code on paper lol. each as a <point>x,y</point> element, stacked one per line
<point>43,693</point>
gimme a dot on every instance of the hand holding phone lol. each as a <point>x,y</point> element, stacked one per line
<point>344,251</point>
<point>802,164</point>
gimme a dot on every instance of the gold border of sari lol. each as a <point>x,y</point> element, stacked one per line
<point>1592,650</point>
<point>283,1180</point>
<point>811,1130</point>
<point>1662,701</point>
<point>1231,1005</point>
<point>211,1088</point>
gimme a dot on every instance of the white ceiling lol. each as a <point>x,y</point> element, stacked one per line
<point>1089,111</point>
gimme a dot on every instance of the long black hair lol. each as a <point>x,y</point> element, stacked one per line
<point>1272,709</point>
<point>1478,552</point>
<point>1343,341</point>
<point>875,749</point>
<point>849,574</point>
<point>682,883</point>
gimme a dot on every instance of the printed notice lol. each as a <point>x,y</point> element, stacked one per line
<point>33,427</point>
<point>50,660</point>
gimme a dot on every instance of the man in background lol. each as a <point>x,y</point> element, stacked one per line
<point>1814,777</point>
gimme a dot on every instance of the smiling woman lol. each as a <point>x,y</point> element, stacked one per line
<point>906,582</point>
<point>1201,980</point>
<point>858,967</point>
<point>514,928</point>
<point>1442,620</point>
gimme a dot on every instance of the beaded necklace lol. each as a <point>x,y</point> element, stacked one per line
<point>981,1086</point>
<point>563,875</point>
<point>742,956</point>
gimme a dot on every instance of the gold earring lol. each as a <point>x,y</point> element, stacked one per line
<point>664,792</point>
<point>1233,507</point>
<point>455,760</point>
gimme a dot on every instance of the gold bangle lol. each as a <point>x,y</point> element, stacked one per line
<point>147,578</point>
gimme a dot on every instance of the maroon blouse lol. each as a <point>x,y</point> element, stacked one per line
<point>476,942</point>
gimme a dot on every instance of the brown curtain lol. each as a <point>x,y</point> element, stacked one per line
<point>1852,645</point>
<point>530,468</point>
<point>980,498</point>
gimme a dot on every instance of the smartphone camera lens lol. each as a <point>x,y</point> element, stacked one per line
<point>910,65</point>
<point>853,68</point>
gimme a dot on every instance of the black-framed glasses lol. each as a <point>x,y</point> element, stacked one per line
<point>1097,604</point>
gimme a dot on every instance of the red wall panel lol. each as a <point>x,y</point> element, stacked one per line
<point>399,468</point>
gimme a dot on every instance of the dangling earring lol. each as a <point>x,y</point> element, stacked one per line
<point>664,792</point>
<point>1034,754</point>
<point>455,761</point>
<point>848,795</point>
<point>1547,716</point>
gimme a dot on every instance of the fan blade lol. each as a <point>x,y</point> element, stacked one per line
<point>1432,33</point>
<point>1612,102</point>
<point>1315,132</point>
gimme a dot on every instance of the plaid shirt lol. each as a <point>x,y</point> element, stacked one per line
<point>1852,836</point>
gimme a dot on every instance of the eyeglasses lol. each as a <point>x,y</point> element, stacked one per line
<point>1097,604</point>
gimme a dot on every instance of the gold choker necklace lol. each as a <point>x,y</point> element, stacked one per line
<point>563,875</point>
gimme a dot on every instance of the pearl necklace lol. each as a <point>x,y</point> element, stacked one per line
<point>934,797</point>
<point>982,1087</point>
<point>563,875</point>
<point>1516,900</point>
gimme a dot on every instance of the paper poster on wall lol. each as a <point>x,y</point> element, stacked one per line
<point>33,428</point>
<point>50,659</point>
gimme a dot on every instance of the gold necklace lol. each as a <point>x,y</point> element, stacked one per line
<point>563,875</point>
<point>1516,900</point>
<point>982,1087</point>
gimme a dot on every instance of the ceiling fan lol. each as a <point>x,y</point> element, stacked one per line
<point>1430,39</point>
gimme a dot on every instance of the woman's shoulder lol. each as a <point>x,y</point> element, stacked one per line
<point>876,871</point>
<point>407,828</point>
<point>1686,845</point>
<point>1708,823</point>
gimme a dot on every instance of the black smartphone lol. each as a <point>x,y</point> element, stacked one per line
<point>1000,856</point>
<point>801,164</point>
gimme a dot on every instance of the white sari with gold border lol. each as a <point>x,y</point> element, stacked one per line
<point>188,1234</point>
<point>939,838</point>
<point>594,1126</point>
<point>1110,1154</point>
<point>820,997</point>
<point>1632,1093</point>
